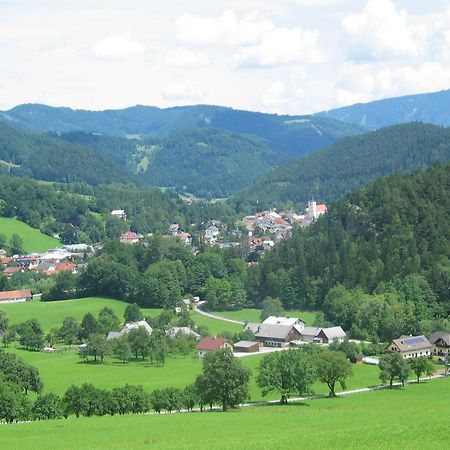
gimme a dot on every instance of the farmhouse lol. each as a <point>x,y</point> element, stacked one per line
<point>331,335</point>
<point>130,326</point>
<point>309,334</point>
<point>274,335</point>
<point>411,346</point>
<point>247,346</point>
<point>129,238</point>
<point>23,295</point>
<point>440,342</point>
<point>211,344</point>
<point>181,331</point>
<point>278,320</point>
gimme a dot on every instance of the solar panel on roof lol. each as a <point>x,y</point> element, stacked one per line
<point>414,341</point>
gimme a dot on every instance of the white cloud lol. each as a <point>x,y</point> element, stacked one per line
<point>381,31</point>
<point>226,29</point>
<point>362,83</point>
<point>183,57</point>
<point>118,46</point>
<point>282,46</point>
<point>182,93</point>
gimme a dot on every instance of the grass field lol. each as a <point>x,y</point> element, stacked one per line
<point>61,369</point>
<point>215,326</point>
<point>33,239</point>
<point>52,314</point>
<point>253,315</point>
<point>412,418</point>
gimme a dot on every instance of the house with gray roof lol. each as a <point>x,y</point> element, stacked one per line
<point>440,342</point>
<point>411,346</point>
<point>130,326</point>
<point>174,332</point>
<point>332,335</point>
<point>274,335</point>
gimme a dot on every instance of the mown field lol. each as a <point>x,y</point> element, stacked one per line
<point>52,314</point>
<point>33,239</point>
<point>415,417</point>
<point>62,369</point>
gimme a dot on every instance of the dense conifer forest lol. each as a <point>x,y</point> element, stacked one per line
<point>351,163</point>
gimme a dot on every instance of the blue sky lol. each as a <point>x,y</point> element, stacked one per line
<point>284,56</point>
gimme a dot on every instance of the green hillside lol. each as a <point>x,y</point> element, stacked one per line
<point>352,163</point>
<point>373,420</point>
<point>33,239</point>
<point>429,108</point>
<point>209,163</point>
<point>377,263</point>
<point>294,135</point>
<point>49,158</point>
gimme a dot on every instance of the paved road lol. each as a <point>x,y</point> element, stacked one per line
<point>199,309</point>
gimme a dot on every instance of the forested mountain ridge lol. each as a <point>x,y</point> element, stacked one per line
<point>205,162</point>
<point>294,135</point>
<point>351,163</point>
<point>390,240</point>
<point>50,159</point>
<point>429,108</point>
<point>209,163</point>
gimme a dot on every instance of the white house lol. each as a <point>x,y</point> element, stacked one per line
<point>130,326</point>
<point>119,213</point>
<point>411,346</point>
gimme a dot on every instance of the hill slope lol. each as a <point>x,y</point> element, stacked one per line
<point>51,159</point>
<point>391,238</point>
<point>351,163</point>
<point>33,239</point>
<point>431,108</point>
<point>294,135</point>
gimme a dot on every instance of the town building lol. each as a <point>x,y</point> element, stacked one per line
<point>129,237</point>
<point>119,213</point>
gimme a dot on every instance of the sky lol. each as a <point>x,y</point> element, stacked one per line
<point>281,56</point>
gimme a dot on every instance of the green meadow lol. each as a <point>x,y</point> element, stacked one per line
<point>52,314</point>
<point>33,239</point>
<point>61,369</point>
<point>415,417</point>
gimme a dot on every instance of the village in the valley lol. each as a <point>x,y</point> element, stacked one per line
<point>262,230</point>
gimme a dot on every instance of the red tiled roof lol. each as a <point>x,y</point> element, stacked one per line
<point>65,266</point>
<point>12,270</point>
<point>11,295</point>
<point>129,235</point>
<point>211,343</point>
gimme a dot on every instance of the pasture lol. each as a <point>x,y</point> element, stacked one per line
<point>52,314</point>
<point>415,417</point>
<point>33,239</point>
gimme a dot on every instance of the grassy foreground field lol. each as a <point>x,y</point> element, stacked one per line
<point>33,239</point>
<point>412,418</point>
